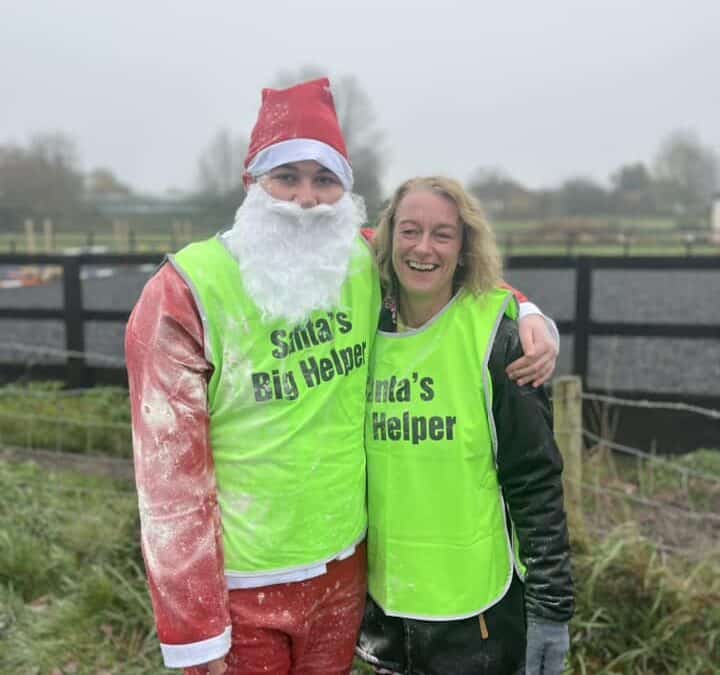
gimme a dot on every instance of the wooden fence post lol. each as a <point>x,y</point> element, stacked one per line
<point>49,235</point>
<point>174,236</point>
<point>567,408</point>
<point>121,235</point>
<point>30,244</point>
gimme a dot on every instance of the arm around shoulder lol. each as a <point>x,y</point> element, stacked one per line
<point>529,471</point>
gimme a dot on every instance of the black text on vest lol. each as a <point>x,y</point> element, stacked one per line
<point>414,428</point>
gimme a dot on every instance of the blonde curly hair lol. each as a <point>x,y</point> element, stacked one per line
<point>480,267</point>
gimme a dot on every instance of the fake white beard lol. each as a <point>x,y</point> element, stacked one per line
<point>293,260</point>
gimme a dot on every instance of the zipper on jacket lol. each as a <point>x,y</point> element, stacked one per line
<point>483,628</point>
<point>408,657</point>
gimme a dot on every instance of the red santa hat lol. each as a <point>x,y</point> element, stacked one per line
<point>296,124</point>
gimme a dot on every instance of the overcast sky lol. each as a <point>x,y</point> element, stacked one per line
<point>543,90</point>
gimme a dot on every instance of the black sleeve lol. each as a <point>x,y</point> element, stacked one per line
<point>529,471</point>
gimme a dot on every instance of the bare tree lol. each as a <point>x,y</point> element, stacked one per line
<point>634,191</point>
<point>357,117</point>
<point>41,179</point>
<point>103,182</point>
<point>582,196</point>
<point>220,166</point>
<point>687,171</point>
<point>500,194</point>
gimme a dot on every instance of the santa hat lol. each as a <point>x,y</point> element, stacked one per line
<point>295,124</point>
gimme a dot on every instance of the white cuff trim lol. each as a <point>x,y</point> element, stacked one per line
<point>196,653</point>
<point>552,327</point>
<point>527,308</point>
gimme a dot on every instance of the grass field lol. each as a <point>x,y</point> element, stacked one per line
<point>91,422</point>
<point>604,223</point>
<point>146,242</point>
<point>72,589</point>
<point>74,597</point>
<point>653,236</point>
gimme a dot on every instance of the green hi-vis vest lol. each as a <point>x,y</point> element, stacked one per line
<point>287,405</point>
<point>438,545</point>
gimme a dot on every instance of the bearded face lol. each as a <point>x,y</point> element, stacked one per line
<point>293,260</point>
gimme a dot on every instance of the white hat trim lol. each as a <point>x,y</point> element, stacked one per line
<point>298,150</point>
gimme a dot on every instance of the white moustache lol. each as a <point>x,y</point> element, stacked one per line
<point>315,216</point>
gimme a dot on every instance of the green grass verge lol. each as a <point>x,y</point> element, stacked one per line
<point>640,613</point>
<point>73,596</point>
<point>41,415</point>
<point>148,240</point>
<point>614,223</point>
<point>143,242</point>
<point>72,590</point>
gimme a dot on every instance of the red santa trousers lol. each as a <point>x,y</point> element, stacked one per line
<point>301,628</point>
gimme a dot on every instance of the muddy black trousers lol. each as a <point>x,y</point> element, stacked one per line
<point>463,647</point>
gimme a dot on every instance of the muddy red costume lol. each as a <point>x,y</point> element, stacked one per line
<point>299,617</point>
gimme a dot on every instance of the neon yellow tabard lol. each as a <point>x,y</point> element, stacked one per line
<point>286,409</point>
<point>437,541</point>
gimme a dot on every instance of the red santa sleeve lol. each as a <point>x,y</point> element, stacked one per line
<point>519,295</point>
<point>527,308</point>
<point>174,472</point>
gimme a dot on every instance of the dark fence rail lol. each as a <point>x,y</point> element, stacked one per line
<point>76,372</point>
<point>671,433</point>
<point>582,327</point>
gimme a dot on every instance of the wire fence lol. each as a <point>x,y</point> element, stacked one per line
<point>44,416</point>
<point>34,353</point>
<point>650,457</point>
<point>657,405</point>
<point>673,501</point>
<point>668,509</point>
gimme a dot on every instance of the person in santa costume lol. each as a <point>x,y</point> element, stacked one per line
<point>247,358</point>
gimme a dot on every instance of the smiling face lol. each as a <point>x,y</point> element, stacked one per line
<point>306,183</point>
<point>426,245</point>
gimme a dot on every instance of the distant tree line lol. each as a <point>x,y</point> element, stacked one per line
<point>42,179</point>
<point>680,183</point>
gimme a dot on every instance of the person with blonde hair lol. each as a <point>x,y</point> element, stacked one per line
<point>468,554</point>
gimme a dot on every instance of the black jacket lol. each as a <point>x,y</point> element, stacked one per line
<point>529,471</point>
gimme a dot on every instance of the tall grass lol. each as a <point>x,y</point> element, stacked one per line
<point>648,574</point>
<point>639,612</point>
<point>73,597</point>
<point>72,590</point>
